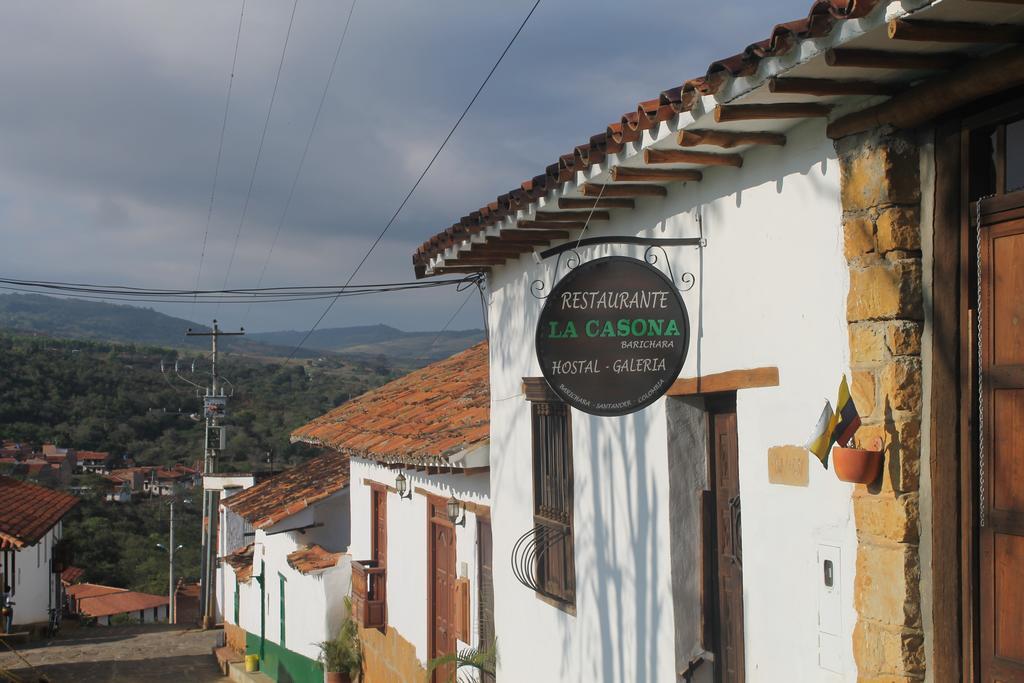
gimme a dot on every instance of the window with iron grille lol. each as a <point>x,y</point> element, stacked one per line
<point>552,499</point>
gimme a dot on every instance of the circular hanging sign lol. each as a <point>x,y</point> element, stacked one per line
<point>613,336</point>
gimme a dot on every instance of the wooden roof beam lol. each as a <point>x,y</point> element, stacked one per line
<point>596,190</point>
<point>682,156</point>
<point>572,216</point>
<point>476,260</point>
<point>995,73</point>
<point>828,86</point>
<point>791,110</point>
<point>882,59</point>
<point>727,139</point>
<point>602,203</point>
<point>548,235</point>
<point>550,225</point>
<point>954,31</point>
<point>441,270</point>
<point>631,173</point>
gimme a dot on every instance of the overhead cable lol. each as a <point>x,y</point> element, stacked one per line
<point>401,206</point>
<point>220,146</point>
<point>259,149</point>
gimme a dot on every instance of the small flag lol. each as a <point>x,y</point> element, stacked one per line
<point>821,440</point>
<point>846,420</point>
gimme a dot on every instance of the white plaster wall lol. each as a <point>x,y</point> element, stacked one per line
<point>771,291</point>
<point>314,602</point>
<point>407,586</point>
<point>33,583</point>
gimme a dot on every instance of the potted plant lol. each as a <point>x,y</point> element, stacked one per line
<point>342,657</point>
<point>858,465</point>
<point>482,660</point>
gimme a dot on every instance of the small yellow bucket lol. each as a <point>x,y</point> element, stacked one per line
<point>252,663</point>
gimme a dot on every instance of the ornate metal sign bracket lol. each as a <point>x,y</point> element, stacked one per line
<point>572,257</point>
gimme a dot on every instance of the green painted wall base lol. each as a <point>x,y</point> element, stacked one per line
<point>282,664</point>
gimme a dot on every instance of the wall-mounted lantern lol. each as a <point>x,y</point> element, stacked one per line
<point>402,486</point>
<point>455,507</point>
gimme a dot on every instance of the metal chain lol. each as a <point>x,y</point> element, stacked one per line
<point>981,386</point>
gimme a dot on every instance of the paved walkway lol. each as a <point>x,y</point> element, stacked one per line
<point>121,654</point>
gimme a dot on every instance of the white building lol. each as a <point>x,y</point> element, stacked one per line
<point>31,556</point>
<point>419,559</point>
<point>283,588</point>
<point>815,229</point>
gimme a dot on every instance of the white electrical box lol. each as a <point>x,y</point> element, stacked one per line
<point>830,608</point>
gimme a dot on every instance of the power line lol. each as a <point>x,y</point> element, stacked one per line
<point>305,150</point>
<point>420,179</point>
<point>244,295</point>
<point>263,137</point>
<point>220,145</point>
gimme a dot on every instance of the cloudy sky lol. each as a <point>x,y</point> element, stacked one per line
<point>110,116</point>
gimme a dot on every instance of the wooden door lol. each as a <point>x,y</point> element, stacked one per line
<point>379,528</point>
<point>485,599</point>
<point>442,588</point>
<point>724,460</point>
<point>1001,455</point>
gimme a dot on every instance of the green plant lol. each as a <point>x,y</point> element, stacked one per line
<point>482,660</point>
<point>344,653</point>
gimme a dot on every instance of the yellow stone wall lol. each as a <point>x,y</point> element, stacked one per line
<point>389,658</point>
<point>882,242</point>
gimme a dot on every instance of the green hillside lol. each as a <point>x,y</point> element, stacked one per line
<point>110,397</point>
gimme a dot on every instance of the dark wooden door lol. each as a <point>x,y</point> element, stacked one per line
<point>379,528</point>
<point>728,549</point>
<point>485,561</point>
<point>1001,456</point>
<point>442,588</point>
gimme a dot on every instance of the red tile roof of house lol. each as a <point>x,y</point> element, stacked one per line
<point>291,491</point>
<point>312,558</point>
<point>118,602</point>
<point>91,590</point>
<point>421,418</point>
<point>92,456</point>
<point>29,511</point>
<point>72,575</point>
<point>823,17</point>
<point>241,561</point>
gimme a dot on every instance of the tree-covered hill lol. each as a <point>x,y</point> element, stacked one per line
<point>109,397</point>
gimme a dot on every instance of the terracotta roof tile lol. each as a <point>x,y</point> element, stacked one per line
<point>291,491</point>
<point>72,574</point>
<point>117,601</point>
<point>312,558</point>
<point>241,561</point>
<point>29,511</point>
<point>820,20</point>
<point>91,590</point>
<point>421,418</point>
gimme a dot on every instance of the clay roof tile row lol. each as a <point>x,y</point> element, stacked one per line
<point>312,558</point>
<point>291,491</point>
<point>29,511</point>
<point>820,20</point>
<point>421,418</point>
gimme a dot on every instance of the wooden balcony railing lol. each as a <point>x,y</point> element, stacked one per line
<point>369,594</point>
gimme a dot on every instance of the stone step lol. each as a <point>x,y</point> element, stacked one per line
<point>238,674</point>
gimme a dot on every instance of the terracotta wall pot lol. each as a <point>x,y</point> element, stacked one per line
<point>336,677</point>
<point>856,465</point>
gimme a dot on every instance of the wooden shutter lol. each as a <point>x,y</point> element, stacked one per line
<point>553,499</point>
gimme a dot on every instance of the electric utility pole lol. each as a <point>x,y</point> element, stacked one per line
<point>214,408</point>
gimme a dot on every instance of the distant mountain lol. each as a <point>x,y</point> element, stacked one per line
<point>100,321</point>
<point>412,348</point>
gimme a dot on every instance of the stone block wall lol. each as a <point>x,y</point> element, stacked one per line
<point>389,658</point>
<point>882,243</point>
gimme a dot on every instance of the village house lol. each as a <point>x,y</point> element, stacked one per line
<point>96,462</point>
<point>109,605</point>
<point>284,574</point>
<point>31,554</point>
<point>420,510</point>
<point>841,199</point>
